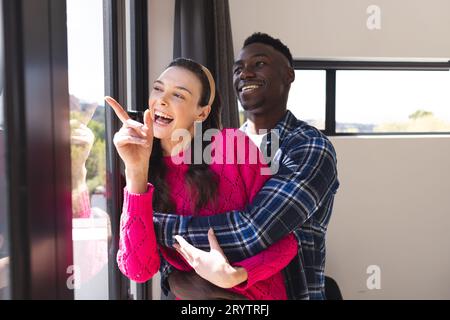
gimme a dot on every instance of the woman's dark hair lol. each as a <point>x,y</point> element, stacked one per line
<point>200,180</point>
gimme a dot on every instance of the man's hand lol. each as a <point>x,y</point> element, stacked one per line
<point>190,286</point>
<point>213,265</point>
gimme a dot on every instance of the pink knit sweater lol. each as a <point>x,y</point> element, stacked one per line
<point>238,183</point>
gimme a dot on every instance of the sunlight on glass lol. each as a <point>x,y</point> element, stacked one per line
<point>307,97</point>
<point>91,225</point>
<point>392,101</point>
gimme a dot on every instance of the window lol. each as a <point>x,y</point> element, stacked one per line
<point>307,97</point>
<point>91,222</point>
<point>56,114</point>
<point>347,98</point>
<point>392,101</point>
<point>4,247</point>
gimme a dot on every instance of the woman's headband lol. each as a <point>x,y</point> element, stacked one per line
<point>212,84</point>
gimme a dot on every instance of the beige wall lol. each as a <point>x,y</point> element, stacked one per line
<point>392,210</point>
<point>336,29</point>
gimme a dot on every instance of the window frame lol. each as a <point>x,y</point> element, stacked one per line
<point>117,84</point>
<point>39,183</point>
<point>39,208</point>
<point>331,67</point>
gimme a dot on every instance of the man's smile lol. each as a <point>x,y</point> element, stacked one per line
<point>249,86</point>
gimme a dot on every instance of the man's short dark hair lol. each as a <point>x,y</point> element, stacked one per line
<point>264,38</point>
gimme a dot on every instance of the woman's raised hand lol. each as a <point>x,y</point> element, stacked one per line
<point>134,142</point>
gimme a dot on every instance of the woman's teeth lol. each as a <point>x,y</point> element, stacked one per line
<point>162,118</point>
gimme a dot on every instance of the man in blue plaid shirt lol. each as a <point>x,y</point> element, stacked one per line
<point>298,198</point>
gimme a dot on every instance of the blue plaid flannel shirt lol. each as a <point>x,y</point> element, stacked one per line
<point>298,198</point>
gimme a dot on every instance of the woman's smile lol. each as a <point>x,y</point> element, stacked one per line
<point>162,119</point>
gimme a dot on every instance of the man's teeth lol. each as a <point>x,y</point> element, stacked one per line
<point>251,87</point>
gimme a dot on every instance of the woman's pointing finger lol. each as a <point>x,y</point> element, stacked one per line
<point>122,114</point>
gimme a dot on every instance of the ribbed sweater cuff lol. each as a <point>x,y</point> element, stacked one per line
<point>136,204</point>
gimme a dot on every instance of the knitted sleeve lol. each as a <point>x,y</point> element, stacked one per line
<point>138,256</point>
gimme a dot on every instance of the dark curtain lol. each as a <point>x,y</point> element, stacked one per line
<point>203,33</point>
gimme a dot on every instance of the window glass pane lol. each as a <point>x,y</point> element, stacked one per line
<point>307,97</point>
<point>91,223</point>
<point>4,247</point>
<point>392,101</point>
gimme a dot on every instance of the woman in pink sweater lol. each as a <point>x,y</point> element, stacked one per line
<point>180,182</point>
